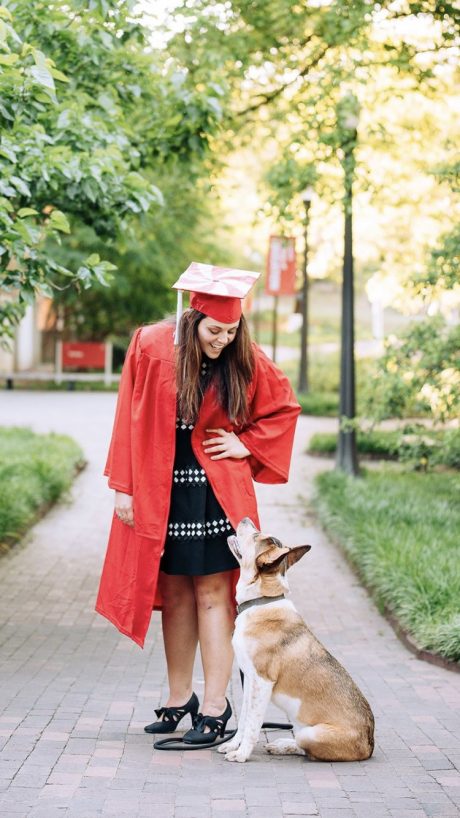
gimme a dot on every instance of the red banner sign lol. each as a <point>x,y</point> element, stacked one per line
<point>84,355</point>
<point>281,266</point>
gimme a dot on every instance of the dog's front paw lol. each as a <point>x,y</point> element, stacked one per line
<point>237,755</point>
<point>229,746</point>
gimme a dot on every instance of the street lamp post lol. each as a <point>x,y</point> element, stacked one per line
<point>347,461</point>
<point>307,197</point>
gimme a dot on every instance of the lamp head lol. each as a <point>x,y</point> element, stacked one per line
<point>307,195</point>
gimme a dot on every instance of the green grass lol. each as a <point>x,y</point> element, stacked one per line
<point>401,530</point>
<point>35,470</point>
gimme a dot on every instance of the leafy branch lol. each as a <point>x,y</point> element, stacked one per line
<point>272,95</point>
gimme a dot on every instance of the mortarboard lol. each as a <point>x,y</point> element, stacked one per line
<point>214,291</point>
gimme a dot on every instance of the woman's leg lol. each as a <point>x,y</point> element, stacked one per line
<point>180,634</point>
<point>216,617</point>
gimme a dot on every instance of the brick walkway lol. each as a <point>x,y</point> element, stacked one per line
<point>75,694</point>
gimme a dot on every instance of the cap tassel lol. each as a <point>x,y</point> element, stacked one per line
<point>179,311</point>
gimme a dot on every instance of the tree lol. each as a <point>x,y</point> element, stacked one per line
<point>87,151</point>
<point>161,245</point>
<point>287,52</point>
<point>285,66</point>
<point>443,269</point>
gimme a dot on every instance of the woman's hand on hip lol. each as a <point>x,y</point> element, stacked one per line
<point>224,444</point>
<point>124,508</point>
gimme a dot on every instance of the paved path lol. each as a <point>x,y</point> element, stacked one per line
<point>75,694</point>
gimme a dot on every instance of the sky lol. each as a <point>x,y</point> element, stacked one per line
<point>155,13</point>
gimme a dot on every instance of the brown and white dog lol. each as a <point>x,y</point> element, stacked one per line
<point>283,661</point>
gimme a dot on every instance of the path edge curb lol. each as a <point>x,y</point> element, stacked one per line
<point>409,642</point>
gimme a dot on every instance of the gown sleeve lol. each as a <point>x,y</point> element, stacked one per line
<point>269,435</point>
<point>118,467</point>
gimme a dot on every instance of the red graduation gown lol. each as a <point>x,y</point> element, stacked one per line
<point>141,459</point>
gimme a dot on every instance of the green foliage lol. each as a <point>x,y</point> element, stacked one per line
<point>414,444</point>
<point>278,44</point>
<point>322,404</point>
<point>444,265</point>
<point>86,115</point>
<point>448,450</point>
<point>376,443</point>
<point>286,179</point>
<point>400,530</point>
<point>35,470</point>
<point>420,372</point>
<point>449,173</point>
<point>148,261</point>
<point>443,269</point>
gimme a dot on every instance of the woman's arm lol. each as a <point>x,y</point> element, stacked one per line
<point>119,467</point>
<point>269,434</point>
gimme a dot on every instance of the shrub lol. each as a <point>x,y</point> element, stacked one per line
<point>419,374</point>
<point>35,470</point>
<point>379,443</point>
<point>324,404</point>
<point>414,444</point>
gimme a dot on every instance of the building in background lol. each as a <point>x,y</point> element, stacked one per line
<point>34,341</point>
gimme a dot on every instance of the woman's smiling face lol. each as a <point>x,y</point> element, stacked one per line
<point>214,336</point>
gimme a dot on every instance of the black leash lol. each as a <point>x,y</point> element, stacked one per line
<point>179,744</point>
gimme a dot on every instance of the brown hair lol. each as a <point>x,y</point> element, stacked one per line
<point>231,376</point>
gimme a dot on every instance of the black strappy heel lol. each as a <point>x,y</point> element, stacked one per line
<point>171,716</point>
<point>178,743</point>
<point>216,724</point>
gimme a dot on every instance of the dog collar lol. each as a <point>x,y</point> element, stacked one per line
<point>260,600</point>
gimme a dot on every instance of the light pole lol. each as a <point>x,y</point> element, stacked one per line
<point>306,197</point>
<point>347,461</point>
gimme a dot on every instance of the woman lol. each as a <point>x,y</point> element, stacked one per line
<point>194,425</point>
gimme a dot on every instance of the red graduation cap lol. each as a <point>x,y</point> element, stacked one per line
<point>215,291</point>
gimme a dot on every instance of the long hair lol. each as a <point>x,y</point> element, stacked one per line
<point>231,374</point>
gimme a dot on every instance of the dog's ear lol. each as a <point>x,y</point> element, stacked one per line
<point>296,553</point>
<point>271,558</point>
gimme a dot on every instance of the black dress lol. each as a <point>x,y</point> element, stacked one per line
<point>196,540</point>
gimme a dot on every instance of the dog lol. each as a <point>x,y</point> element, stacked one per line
<point>283,661</point>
